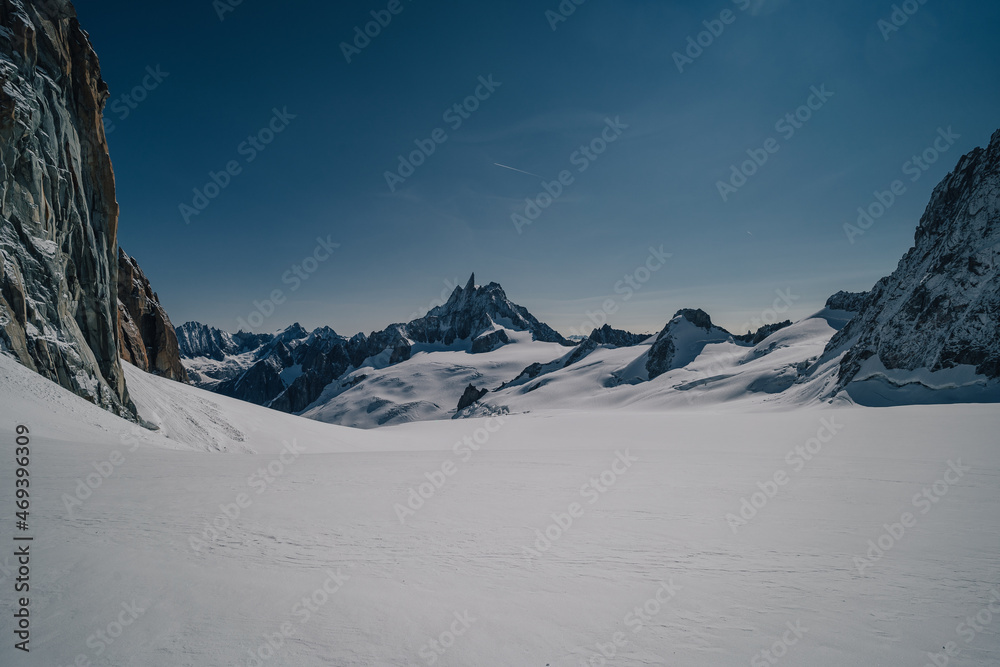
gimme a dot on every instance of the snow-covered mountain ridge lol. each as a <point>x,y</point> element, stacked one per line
<point>928,333</point>
<point>290,369</point>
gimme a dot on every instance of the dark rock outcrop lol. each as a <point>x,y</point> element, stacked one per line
<point>579,352</point>
<point>489,342</point>
<point>681,340</point>
<point>146,337</point>
<point>940,308</point>
<point>471,395</point>
<point>755,337</point>
<point>616,337</point>
<point>58,239</point>
<point>849,301</point>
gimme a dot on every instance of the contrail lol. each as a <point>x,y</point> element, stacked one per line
<point>520,170</point>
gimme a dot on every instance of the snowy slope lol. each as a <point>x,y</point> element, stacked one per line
<point>721,375</point>
<point>656,537</point>
<point>426,386</point>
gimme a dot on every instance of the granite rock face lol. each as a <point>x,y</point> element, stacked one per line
<point>58,214</point>
<point>940,308</point>
<point>146,338</point>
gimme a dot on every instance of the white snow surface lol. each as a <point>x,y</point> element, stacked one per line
<point>428,385</point>
<point>330,510</point>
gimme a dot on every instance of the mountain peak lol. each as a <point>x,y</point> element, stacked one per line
<point>676,347</point>
<point>474,310</point>
<point>940,308</point>
<point>695,316</point>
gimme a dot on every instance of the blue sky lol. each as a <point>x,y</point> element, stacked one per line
<point>323,175</point>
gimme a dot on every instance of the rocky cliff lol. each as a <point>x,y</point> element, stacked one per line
<point>146,337</point>
<point>58,270</point>
<point>940,308</point>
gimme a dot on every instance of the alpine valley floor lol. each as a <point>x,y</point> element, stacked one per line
<point>646,557</point>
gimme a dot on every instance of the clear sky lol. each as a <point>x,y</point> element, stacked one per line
<point>883,95</point>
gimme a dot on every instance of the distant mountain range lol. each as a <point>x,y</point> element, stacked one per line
<point>928,333</point>
<point>73,305</point>
<point>288,370</point>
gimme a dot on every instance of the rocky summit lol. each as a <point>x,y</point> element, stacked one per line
<point>473,311</point>
<point>940,308</point>
<point>681,340</point>
<point>616,337</point>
